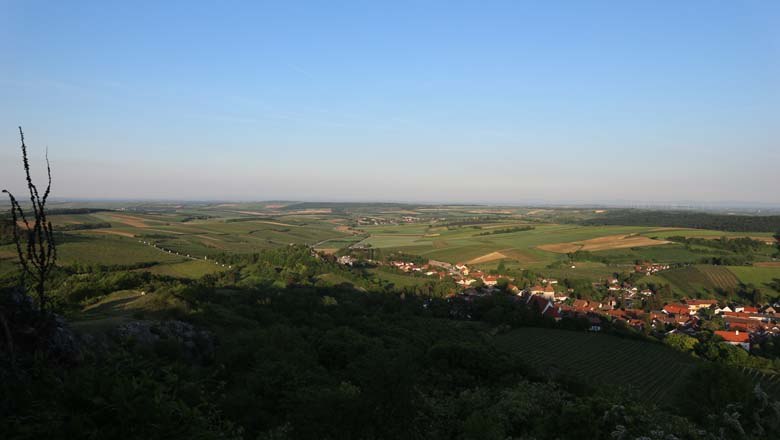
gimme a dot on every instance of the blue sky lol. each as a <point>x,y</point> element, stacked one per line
<point>478,101</point>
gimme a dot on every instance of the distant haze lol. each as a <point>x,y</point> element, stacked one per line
<point>493,102</point>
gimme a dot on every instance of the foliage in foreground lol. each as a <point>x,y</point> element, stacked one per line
<point>304,361</point>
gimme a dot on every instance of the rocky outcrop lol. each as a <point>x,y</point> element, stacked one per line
<point>25,330</point>
<point>174,338</point>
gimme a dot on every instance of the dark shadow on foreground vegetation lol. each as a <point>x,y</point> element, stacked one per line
<point>297,359</point>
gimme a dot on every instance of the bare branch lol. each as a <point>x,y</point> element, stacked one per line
<point>40,255</point>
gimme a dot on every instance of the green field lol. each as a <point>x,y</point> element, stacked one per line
<point>109,250</point>
<point>218,232</point>
<point>399,280</point>
<point>121,307</point>
<point>709,279</point>
<point>186,269</point>
<point>668,253</point>
<point>759,276</point>
<point>699,278</point>
<point>704,233</point>
<point>653,371</point>
<point>464,244</point>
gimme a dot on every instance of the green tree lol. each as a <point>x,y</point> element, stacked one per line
<point>681,342</point>
<point>711,388</point>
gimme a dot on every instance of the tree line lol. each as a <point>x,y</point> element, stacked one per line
<point>687,219</point>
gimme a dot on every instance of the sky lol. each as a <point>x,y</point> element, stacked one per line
<point>419,101</point>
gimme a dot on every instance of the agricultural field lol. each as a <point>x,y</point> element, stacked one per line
<point>480,236</point>
<point>608,242</point>
<point>109,250</point>
<point>466,244</point>
<point>758,276</point>
<point>708,280</point>
<point>398,279</point>
<point>668,253</point>
<point>120,307</point>
<point>662,233</point>
<point>699,279</point>
<point>204,233</point>
<point>185,269</point>
<point>652,371</point>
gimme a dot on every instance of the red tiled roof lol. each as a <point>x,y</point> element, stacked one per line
<point>552,312</point>
<point>737,315</point>
<point>736,336</point>
<point>676,309</point>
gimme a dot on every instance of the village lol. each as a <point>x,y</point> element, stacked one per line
<point>737,324</point>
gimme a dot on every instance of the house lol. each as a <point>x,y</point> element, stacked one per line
<point>755,316</point>
<point>662,320</point>
<point>441,264</point>
<point>580,304</point>
<point>553,312</point>
<point>650,268</point>
<point>608,303</point>
<point>466,281</point>
<point>549,292</point>
<point>676,309</point>
<point>490,280</point>
<point>346,260</point>
<point>738,338</point>
<point>743,324</point>
<point>617,315</point>
<point>769,310</point>
<point>544,306</point>
<point>720,310</point>
<point>632,302</point>
<point>697,304</point>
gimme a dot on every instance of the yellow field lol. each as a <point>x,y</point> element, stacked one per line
<point>510,254</point>
<point>602,244</point>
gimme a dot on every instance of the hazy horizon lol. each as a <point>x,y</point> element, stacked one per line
<point>501,103</point>
<point>719,206</point>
